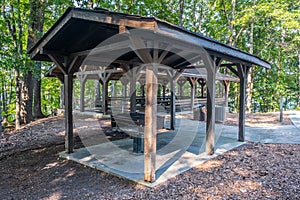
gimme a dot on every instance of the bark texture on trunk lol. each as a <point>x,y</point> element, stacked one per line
<point>26,96</point>
<point>299,78</point>
<point>37,82</point>
<point>32,80</point>
<point>18,99</point>
<point>249,85</point>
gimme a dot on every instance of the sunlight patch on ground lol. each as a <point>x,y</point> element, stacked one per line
<point>210,165</point>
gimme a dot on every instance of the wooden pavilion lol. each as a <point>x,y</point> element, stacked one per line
<point>128,42</point>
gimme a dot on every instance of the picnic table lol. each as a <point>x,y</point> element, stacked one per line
<point>133,124</point>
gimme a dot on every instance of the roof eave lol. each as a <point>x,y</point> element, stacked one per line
<point>211,45</point>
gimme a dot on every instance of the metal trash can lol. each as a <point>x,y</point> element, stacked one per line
<point>199,112</point>
<point>221,113</point>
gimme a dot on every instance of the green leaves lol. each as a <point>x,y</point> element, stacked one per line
<point>276,38</point>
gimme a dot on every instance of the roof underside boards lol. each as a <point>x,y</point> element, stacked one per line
<point>123,37</point>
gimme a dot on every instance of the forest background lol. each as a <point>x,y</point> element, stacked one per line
<point>269,29</point>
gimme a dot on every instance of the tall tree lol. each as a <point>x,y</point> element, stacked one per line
<point>13,14</point>
<point>37,9</point>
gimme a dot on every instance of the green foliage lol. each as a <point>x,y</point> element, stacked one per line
<point>50,96</point>
<point>276,38</point>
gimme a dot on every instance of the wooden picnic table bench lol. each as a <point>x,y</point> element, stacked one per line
<point>133,124</point>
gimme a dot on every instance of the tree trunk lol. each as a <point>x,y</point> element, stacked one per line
<point>35,29</point>
<point>181,4</point>
<point>18,99</point>
<point>26,95</point>
<point>37,109</point>
<point>249,86</point>
<point>299,78</point>
<point>4,96</point>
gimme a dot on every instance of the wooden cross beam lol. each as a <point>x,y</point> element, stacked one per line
<point>141,50</point>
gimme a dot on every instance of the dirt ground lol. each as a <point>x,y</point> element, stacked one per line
<point>259,119</point>
<point>30,169</point>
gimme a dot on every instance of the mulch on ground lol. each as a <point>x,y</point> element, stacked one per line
<point>253,171</point>
<point>32,170</point>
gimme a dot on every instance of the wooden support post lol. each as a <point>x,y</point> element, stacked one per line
<point>133,75</point>
<point>227,87</point>
<point>68,67</point>
<point>173,77</point>
<point>68,89</point>
<point>97,93</point>
<point>133,93</point>
<point>210,122</point>
<point>82,89</point>
<point>164,88</point>
<point>104,97</point>
<point>113,92</point>
<point>150,124</point>
<point>172,104</point>
<point>193,82</point>
<point>104,77</point>
<point>62,99</point>
<point>181,84</point>
<point>243,73</point>
<point>142,87</point>
<point>82,80</point>
<point>211,67</point>
<point>124,93</point>
<point>202,84</point>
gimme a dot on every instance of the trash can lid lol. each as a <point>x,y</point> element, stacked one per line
<point>199,106</point>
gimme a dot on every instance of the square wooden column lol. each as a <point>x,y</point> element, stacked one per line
<point>68,90</point>
<point>124,93</point>
<point>173,77</point>
<point>142,87</point>
<point>104,77</point>
<point>133,93</point>
<point>68,68</point>
<point>181,84</point>
<point>150,124</point>
<point>133,76</point>
<point>62,96</point>
<point>105,97</point>
<point>193,82</point>
<point>211,67</point>
<point>164,87</point>
<point>202,84</point>
<point>82,80</point>
<point>243,73</point>
<point>226,88</point>
<point>210,107</point>
<point>97,92</point>
<point>172,104</point>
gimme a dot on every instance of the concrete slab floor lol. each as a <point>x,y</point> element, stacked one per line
<point>177,151</point>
